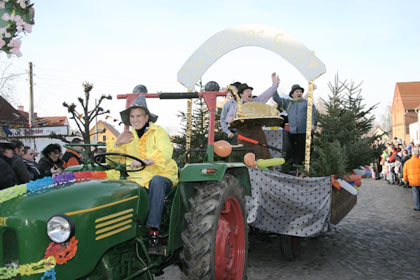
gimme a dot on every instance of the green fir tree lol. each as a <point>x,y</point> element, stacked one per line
<point>342,142</point>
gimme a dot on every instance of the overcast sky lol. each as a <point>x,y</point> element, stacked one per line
<point>118,44</point>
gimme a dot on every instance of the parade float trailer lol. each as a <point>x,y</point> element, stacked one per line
<point>89,222</point>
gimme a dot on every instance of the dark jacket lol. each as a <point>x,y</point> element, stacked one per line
<point>7,176</point>
<point>45,165</point>
<point>20,170</point>
<point>33,170</point>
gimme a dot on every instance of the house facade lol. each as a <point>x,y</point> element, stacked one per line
<point>102,132</point>
<point>14,124</point>
<point>406,101</point>
<point>10,118</point>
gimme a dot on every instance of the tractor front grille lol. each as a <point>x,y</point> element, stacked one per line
<point>9,255</point>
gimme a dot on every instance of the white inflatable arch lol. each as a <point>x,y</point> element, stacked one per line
<point>250,35</point>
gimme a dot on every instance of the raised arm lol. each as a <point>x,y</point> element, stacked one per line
<point>266,95</point>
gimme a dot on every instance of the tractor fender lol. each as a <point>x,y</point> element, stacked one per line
<point>215,171</point>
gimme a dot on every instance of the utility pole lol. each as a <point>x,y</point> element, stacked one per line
<point>31,97</point>
<point>96,123</point>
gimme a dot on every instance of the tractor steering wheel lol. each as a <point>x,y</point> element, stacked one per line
<point>97,159</point>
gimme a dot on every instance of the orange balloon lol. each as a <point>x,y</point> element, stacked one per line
<point>353,178</point>
<point>222,148</point>
<point>335,183</point>
<point>249,159</point>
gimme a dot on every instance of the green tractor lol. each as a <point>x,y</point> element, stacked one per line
<point>89,224</point>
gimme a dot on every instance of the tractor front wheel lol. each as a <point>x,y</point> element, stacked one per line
<point>216,235</point>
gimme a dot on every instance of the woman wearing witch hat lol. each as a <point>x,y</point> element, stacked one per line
<point>150,143</point>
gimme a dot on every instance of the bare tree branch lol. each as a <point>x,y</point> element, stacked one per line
<point>7,86</point>
<point>59,137</point>
<point>98,114</point>
<point>97,107</point>
<point>84,119</point>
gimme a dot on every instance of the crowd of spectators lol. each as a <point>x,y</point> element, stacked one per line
<point>18,163</point>
<point>392,162</point>
<point>400,165</point>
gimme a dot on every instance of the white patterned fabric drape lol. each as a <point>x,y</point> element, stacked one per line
<point>287,204</point>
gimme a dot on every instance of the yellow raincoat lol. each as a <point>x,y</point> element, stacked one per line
<point>155,145</point>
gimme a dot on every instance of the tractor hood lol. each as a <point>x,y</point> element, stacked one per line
<point>90,205</point>
<point>67,198</point>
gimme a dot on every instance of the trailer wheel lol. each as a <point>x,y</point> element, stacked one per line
<point>216,234</point>
<point>289,246</point>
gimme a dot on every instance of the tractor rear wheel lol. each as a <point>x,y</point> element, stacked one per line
<point>216,234</point>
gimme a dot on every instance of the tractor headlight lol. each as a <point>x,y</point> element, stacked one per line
<point>60,228</point>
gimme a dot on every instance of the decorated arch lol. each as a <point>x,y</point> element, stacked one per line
<point>255,35</point>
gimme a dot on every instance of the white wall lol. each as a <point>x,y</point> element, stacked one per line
<point>414,132</point>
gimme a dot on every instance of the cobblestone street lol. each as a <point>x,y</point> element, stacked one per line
<point>379,239</point>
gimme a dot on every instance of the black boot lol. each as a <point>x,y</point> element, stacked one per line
<point>154,244</point>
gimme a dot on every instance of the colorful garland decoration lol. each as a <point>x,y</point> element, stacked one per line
<point>62,252</point>
<point>28,269</point>
<point>50,182</point>
<point>16,16</point>
<point>49,274</point>
<point>55,254</point>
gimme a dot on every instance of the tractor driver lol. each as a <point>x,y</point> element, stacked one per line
<point>150,143</point>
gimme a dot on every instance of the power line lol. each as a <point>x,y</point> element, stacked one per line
<point>45,81</point>
<point>15,75</point>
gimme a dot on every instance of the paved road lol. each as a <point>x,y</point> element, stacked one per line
<point>379,239</point>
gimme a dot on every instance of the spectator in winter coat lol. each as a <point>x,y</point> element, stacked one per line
<point>18,165</point>
<point>410,147</point>
<point>7,175</point>
<point>50,164</point>
<point>405,157</point>
<point>297,111</point>
<point>412,176</point>
<point>70,157</point>
<point>392,164</point>
<point>31,166</point>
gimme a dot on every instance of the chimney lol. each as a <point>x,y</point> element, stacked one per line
<point>20,108</point>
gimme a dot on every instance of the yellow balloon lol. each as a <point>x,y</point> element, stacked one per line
<point>263,163</point>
